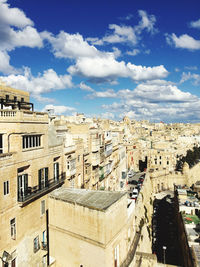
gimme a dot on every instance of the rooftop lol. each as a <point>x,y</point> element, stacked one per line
<point>98,200</point>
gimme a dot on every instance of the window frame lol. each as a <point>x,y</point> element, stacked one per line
<point>31,141</point>
<point>1,143</point>
<point>13,228</point>
<point>6,188</point>
<point>36,244</point>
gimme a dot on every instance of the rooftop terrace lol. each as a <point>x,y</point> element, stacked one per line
<point>98,200</point>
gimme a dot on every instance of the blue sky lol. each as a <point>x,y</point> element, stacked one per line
<point>105,58</point>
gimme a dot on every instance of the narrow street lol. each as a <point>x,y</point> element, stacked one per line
<point>165,239</point>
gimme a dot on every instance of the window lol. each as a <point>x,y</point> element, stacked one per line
<point>6,188</point>
<point>15,99</point>
<point>22,99</point>
<point>22,186</point>
<point>42,207</point>
<point>44,240</point>
<point>78,158</point>
<point>167,162</point>
<point>43,178</point>
<point>13,263</point>
<point>36,245</point>
<point>44,264</point>
<point>13,228</point>
<point>31,141</point>
<point>7,98</point>
<point>1,143</point>
<point>44,236</point>
<point>56,171</point>
<point>68,165</point>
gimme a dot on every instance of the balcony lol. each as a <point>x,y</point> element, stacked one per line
<point>36,192</point>
<point>20,115</point>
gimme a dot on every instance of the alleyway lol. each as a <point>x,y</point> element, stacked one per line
<point>165,239</point>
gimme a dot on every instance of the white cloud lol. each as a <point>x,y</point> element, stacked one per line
<point>107,115</point>
<point>195,24</point>
<point>191,68</point>
<point>85,87</point>
<point>40,84</point>
<point>184,41</point>
<point>177,69</point>
<point>147,22</point>
<point>128,17</point>
<point>190,76</point>
<point>16,30</point>
<point>110,93</point>
<point>128,34</point>
<point>107,69</point>
<point>67,45</point>
<point>156,101</point>
<point>13,16</point>
<point>134,52</point>
<point>5,66</point>
<point>121,34</point>
<point>140,73</point>
<point>59,109</point>
<point>162,93</point>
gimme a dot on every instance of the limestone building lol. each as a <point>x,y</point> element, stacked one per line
<point>31,166</point>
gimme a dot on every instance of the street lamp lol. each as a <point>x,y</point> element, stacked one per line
<point>164,249</point>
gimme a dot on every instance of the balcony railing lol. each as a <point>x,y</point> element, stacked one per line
<point>37,192</point>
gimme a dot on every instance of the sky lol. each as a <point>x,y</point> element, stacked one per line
<point>108,59</point>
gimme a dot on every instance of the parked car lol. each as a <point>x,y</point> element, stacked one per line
<point>130,174</point>
<point>134,194</point>
<point>134,182</point>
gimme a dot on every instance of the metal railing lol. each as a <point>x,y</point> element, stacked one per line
<point>36,191</point>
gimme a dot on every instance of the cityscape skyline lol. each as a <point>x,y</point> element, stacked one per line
<point>104,59</point>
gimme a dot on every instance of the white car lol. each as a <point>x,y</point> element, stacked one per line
<point>130,174</point>
<point>134,193</point>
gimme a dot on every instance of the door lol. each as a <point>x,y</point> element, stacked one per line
<point>22,185</point>
<point>56,171</point>
<point>43,178</point>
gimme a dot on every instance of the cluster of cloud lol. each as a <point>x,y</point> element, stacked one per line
<point>89,62</point>
<point>185,41</point>
<point>43,83</point>
<point>157,100</point>
<point>16,31</point>
<point>152,97</point>
<point>57,110</point>
<point>190,76</point>
<point>128,34</point>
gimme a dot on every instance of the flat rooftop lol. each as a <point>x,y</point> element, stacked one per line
<point>92,199</point>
